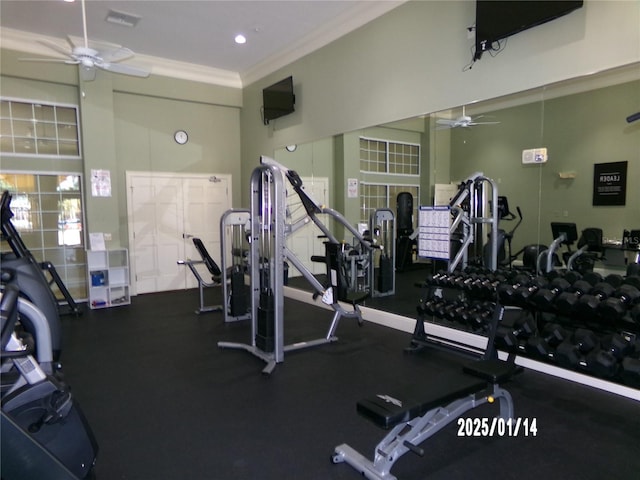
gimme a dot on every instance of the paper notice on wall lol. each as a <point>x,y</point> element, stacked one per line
<point>100,183</point>
<point>96,241</point>
<point>352,188</point>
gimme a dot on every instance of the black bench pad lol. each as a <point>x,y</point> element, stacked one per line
<point>388,409</point>
<point>492,371</point>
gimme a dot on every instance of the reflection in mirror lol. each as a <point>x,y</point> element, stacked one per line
<point>581,123</point>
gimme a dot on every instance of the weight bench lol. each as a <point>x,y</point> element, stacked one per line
<point>420,411</point>
<point>213,269</point>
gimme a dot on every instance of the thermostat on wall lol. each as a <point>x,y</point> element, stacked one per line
<point>534,155</point>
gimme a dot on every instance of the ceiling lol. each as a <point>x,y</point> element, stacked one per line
<point>194,35</point>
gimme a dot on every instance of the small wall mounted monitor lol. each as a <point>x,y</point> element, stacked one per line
<point>497,19</point>
<point>569,229</point>
<point>278,100</point>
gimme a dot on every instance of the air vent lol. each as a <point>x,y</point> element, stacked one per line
<point>122,18</point>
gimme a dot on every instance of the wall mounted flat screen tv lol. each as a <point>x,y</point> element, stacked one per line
<point>497,19</point>
<point>278,100</point>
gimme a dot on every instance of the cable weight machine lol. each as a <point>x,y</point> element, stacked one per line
<point>268,253</point>
<point>468,208</point>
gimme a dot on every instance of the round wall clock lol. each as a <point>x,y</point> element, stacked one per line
<point>181,137</point>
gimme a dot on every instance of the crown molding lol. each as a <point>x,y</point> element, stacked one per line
<point>28,42</point>
<point>360,14</point>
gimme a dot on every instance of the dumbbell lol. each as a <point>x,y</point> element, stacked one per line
<point>592,277</point>
<point>632,280</point>
<point>444,309</point>
<point>635,314</point>
<point>429,307</point>
<point>630,371</point>
<point>570,353</point>
<point>587,305</point>
<point>435,279</point>
<point>455,312</point>
<point>566,301</point>
<point>605,362</point>
<point>615,306</point>
<point>572,276</point>
<point>478,316</point>
<point>508,337</point>
<point>486,285</point>
<point>506,291</point>
<point>552,335</point>
<point>523,294</point>
<point>543,298</point>
<point>614,279</point>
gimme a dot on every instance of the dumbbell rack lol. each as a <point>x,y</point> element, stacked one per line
<point>457,300</point>
<point>589,325</point>
<point>596,332</point>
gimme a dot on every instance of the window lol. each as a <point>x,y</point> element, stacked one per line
<point>48,215</point>
<point>384,156</point>
<point>30,128</point>
<point>376,196</point>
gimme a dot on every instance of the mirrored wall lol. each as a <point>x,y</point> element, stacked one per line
<point>581,123</point>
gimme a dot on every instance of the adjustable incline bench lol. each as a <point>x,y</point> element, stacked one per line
<point>421,411</point>
<point>213,269</point>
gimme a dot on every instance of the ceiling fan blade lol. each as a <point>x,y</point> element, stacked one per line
<point>444,121</point>
<point>124,69</point>
<point>484,123</point>
<point>49,60</point>
<point>56,47</point>
<point>118,55</point>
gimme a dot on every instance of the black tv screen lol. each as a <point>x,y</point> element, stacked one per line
<point>278,100</point>
<point>496,19</point>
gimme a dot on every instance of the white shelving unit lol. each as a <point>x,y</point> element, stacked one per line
<point>108,275</point>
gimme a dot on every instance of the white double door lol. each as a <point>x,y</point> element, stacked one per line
<point>165,210</point>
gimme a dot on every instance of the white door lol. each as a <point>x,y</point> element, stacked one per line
<point>204,203</point>
<point>165,211</point>
<point>305,242</point>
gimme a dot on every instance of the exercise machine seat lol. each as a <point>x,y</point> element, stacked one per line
<point>211,265</point>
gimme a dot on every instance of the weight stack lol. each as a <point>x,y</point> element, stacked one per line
<point>266,322</point>
<point>385,275</point>
<point>238,300</point>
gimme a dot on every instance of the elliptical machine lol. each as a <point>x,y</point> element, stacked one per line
<point>504,238</point>
<point>20,268</point>
<point>44,432</point>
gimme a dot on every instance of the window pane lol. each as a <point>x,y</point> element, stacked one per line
<point>47,147</point>
<point>4,109</point>
<point>67,132</point>
<point>46,130</point>
<point>21,110</point>
<point>25,145</point>
<point>68,148</point>
<point>44,112</point>
<point>23,128</point>
<point>66,115</point>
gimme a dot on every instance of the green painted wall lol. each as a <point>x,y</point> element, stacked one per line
<point>128,124</point>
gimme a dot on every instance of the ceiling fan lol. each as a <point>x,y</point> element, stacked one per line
<point>90,59</point>
<point>463,121</point>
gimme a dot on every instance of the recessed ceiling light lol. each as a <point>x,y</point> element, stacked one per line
<point>240,39</point>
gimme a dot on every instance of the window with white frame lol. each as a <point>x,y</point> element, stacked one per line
<point>374,196</point>
<point>48,214</point>
<point>385,156</point>
<point>29,128</point>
